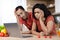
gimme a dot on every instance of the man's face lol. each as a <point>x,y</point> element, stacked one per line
<point>21,13</point>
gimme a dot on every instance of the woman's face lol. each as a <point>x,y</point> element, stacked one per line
<point>38,13</point>
<point>21,13</point>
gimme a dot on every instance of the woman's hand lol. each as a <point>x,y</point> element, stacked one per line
<point>41,33</point>
<point>41,17</point>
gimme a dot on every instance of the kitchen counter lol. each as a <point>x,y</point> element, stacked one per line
<point>31,38</point>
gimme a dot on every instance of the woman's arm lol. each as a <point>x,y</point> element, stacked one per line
<point>47,29</point>
<point>34,29</point>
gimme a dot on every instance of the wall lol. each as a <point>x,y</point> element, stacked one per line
<point>7,10</point>
<point>57,6</point>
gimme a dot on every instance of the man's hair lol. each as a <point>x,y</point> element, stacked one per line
<point>19,7</point>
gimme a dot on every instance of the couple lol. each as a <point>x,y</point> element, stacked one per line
<point>39,21</point>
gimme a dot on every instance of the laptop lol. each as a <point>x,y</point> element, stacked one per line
<point>14,31</point>
<point>57,18</point>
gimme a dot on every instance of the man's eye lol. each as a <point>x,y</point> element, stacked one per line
<point>20,13</point>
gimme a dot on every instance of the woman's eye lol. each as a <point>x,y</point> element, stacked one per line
<point>37,12</point>
<point>34,12</point>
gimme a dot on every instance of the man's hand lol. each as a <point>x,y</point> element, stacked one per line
<point>27,32</point>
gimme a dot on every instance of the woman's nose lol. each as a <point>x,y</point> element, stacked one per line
<point>36,14</point>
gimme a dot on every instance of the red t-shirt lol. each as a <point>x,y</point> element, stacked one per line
<point>27,22</point>
<point>49,18</point>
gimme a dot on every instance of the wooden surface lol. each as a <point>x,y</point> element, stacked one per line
<point>31,38</point>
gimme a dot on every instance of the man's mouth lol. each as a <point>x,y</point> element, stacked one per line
<point>18,15</point>
<point>25,18</point>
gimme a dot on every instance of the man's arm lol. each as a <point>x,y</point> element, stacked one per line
<point>21,25</point>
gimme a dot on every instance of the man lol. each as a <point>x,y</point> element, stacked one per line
<point>23,17</point>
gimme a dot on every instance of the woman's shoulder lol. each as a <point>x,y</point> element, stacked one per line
<point>50,18</point>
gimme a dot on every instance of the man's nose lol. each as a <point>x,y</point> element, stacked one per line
<point>22,16</point>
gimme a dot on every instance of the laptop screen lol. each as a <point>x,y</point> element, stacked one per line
<point>57,19</point>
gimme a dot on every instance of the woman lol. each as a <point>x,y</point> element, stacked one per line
<point>43,22</point>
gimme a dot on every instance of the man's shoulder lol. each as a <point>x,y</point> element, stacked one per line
<point>30,13</point>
